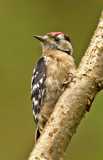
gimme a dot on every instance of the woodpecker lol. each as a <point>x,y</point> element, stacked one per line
<point>54,70</point>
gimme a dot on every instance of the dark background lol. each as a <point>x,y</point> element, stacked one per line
<point>19,20</point>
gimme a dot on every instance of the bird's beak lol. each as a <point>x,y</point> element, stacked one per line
<point>40,38</point>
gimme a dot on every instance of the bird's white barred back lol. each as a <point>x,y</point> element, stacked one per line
<point>38,87</point>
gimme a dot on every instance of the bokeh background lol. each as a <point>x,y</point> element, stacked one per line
<point>19,20</point>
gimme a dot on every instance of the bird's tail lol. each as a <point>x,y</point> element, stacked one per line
<point>40,126</point>
<point>37,134</point>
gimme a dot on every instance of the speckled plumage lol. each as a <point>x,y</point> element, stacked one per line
<point>53,71</point>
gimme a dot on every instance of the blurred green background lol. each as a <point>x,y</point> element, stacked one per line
<point>19,19</point>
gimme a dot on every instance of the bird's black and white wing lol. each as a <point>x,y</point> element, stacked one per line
<point>38,87</point>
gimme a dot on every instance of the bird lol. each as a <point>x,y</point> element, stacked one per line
<point>51,74</point>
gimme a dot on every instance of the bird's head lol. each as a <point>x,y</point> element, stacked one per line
<point>56,41</point>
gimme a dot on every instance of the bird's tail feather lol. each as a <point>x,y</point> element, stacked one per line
<point>37,134</point>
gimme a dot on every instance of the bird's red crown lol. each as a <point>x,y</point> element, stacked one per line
<point>55,33</point>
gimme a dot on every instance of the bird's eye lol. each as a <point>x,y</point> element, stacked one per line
<point>56,39</point>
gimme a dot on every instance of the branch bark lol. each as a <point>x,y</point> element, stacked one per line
<point>72,105</point>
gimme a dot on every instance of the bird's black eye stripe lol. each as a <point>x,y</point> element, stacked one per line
<point>67,38</point>
<point>56,39</point>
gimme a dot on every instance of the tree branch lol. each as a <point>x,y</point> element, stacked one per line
<point>73,103</point>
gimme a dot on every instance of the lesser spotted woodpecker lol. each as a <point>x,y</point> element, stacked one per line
<point>54,69</point>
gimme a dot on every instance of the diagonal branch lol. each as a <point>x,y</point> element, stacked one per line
<point>73,103</point>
